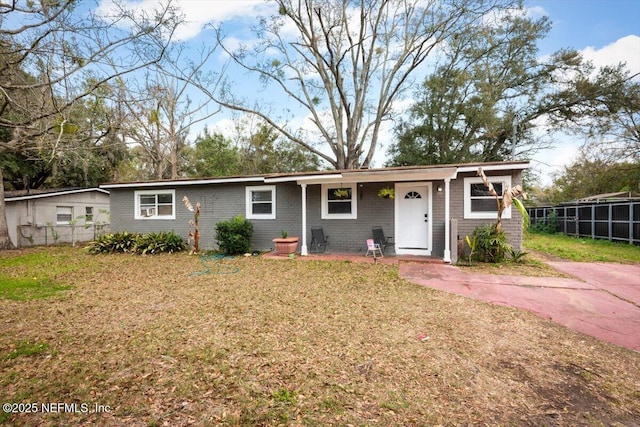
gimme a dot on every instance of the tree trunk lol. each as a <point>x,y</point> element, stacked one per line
<point>5,241</point>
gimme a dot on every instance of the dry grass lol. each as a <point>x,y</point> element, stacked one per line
<point>530,265</point>
<point>292,342</point>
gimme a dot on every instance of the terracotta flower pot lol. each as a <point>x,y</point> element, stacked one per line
<point>287,245</point>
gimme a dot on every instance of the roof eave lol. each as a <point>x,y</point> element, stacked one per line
<point>495,167</point>
<point>53,194</point>
<point>181,183</point>
<point>428,173</point>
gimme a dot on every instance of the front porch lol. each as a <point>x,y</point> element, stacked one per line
<point>417,217</point>
<point>391,259</point>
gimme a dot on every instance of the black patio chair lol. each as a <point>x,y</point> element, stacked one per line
<point>318,240</point>
<point>380,239</point>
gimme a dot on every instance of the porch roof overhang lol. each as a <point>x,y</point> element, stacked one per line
<point>402,175</point>
<point>407,174</point>
<point>371,175</point>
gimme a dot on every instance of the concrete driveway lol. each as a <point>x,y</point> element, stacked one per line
<point>599,299</point>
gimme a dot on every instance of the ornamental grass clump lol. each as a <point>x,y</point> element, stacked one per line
<point>141,244</point>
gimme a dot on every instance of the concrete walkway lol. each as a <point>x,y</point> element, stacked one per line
<point>600,299</point>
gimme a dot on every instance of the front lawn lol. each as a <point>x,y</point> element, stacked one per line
<point>581,249</point>
<point>154,340</point>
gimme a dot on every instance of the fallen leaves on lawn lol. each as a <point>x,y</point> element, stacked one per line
<point>293,342</point>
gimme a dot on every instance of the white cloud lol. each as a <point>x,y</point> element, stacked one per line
<point>625,49</point>
<point>548,163</point>
<point>536,12</point>
<point>197,13</point>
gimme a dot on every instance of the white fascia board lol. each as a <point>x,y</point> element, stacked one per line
<point>53,194</point>
<point>184,183</point>
<point>498,167</point>
<point>308,179</point>
<point>426,174</point>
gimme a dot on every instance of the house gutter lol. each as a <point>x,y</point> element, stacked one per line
<point>496,167</point>
<point>309,179</point>
<point>184,182</point>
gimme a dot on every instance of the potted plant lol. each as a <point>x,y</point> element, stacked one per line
<point>341,193</point>
<point>285,245</point>
<point>387,193</point>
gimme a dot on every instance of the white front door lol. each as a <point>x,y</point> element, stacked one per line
<point>413,219</point>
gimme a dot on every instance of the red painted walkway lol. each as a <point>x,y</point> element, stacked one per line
<point>600,299</point>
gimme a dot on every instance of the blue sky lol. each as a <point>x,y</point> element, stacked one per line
<point>605,31</point>
<point>594,23</point>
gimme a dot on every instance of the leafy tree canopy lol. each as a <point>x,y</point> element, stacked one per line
<point>261,152</point>
<point>490,89</point>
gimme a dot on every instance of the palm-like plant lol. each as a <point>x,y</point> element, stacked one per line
<point>509,197</point>
<point>195,233</point>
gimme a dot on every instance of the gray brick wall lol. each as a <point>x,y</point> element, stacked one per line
<point>288,217</point>
<point>350,235</point>
<point>225,201</point>
<point>222,202</point>
<point>217,203</point>
<point>512,227</point>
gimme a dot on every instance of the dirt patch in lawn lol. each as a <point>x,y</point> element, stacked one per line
<point>145,341</point>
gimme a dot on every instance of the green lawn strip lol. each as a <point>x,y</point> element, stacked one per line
<point>28,288</point>
<point>582,250</point>
<point>37,273</point>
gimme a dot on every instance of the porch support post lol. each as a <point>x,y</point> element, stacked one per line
<point>447,222</point>
<point>303,248</point>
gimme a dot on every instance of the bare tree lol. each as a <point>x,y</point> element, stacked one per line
<point>346,64</point>
<point>160,119</point>
<point>48,50</point>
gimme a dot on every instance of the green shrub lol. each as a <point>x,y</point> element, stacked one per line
<point>491,244</point>
<point>548,227</point>
<point>234,236</point>
<point>154,243</point>
<point>149,243</point>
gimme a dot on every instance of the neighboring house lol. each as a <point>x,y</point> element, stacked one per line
<point>425,196</point>
<point>41,217</point>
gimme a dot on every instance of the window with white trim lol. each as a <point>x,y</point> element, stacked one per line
<point>478,203</point>
<point>261,202</point>
<point>339,201</point>
<point>155,204</point>
<point>64,214</point>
